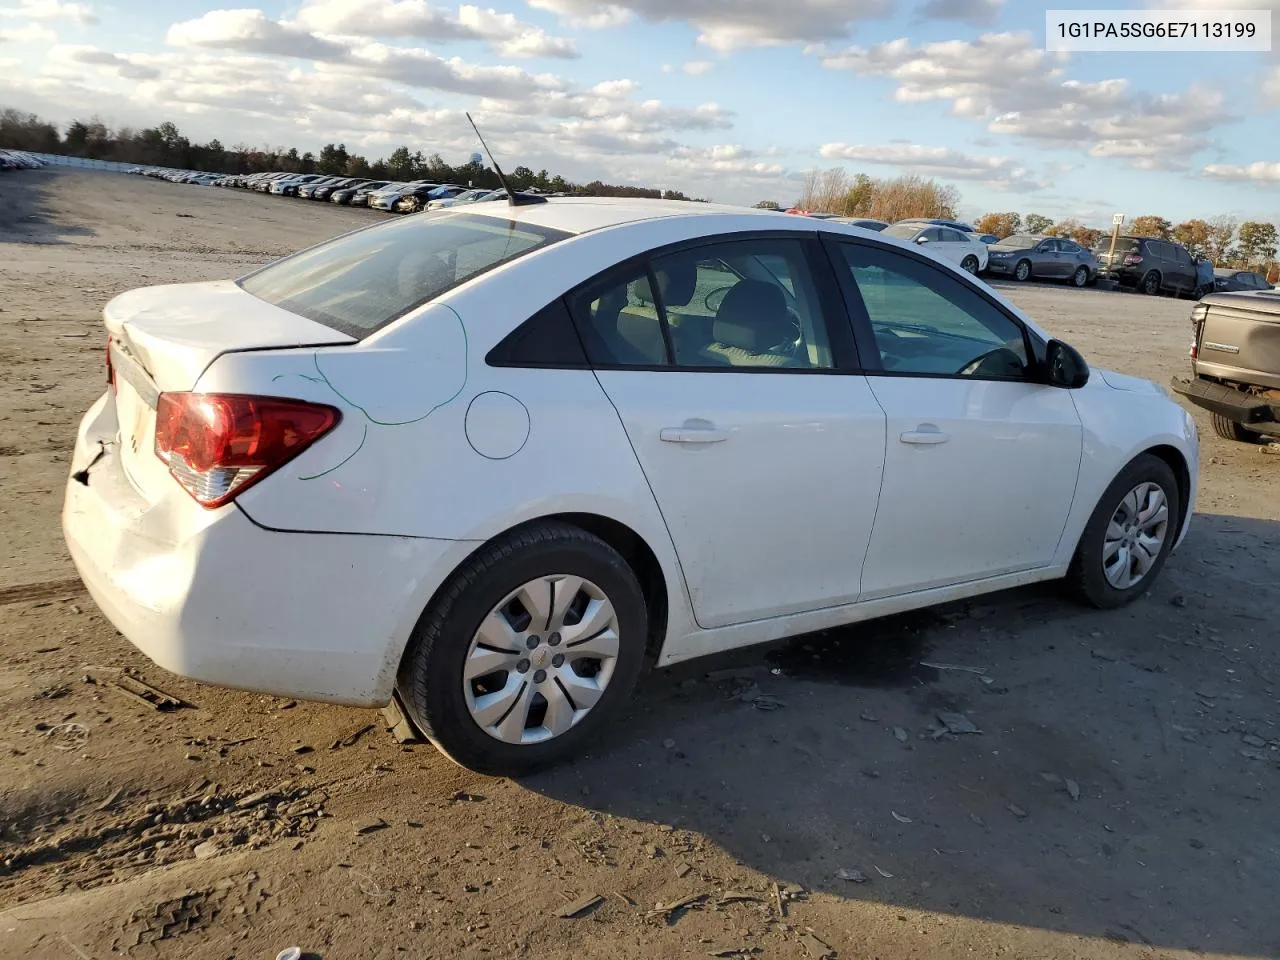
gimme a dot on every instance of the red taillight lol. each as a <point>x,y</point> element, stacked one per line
<point>217,445</point>
<point>1132,259</point>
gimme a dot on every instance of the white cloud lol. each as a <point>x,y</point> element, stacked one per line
<point>976,12</point>
<point>724,158</point>
<point>729,24</point>
<point>1271,88</point>
<point>696,68</point>
<point>1002,173</point>
<point>1020,90</point>
<point>51,10</point>
<point>31,33</point>
<point>415,19</point>
<point>250,31</point>
<point>1260,172</point>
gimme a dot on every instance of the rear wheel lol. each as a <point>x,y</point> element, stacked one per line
<point>527,652</point>
<point>1023,270</point>
<point>1151,283</point>
<point>969,264</point>
<point>1080,277</point>
<point>1128,538</point>
<point>1230,430</point>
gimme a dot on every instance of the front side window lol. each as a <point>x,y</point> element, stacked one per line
<point>360,282</point>
<point>926,322</point>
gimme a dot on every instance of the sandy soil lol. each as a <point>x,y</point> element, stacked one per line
<point>1118,802</point>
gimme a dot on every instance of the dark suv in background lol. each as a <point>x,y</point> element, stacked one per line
<point>1147,264</point>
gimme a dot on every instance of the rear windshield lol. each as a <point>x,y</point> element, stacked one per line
<point>1123,245</point>
<point>360,282</point>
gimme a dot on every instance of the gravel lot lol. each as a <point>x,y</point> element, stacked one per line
<point>1118,802</point>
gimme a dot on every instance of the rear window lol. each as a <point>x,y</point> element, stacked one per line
<point>1123,245</point>
<point>360,282</point>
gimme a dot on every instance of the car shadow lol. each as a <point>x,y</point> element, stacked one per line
<point>27,210</point>
<point>1121,786</point>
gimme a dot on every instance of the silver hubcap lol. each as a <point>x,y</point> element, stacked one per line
<point>541,659</point>
<point>1135,535</point>
<point>1081,277</point>
<point>970,264</point>
<point>1023,271</point>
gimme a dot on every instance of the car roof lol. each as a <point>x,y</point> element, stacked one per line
<point>584,214</point>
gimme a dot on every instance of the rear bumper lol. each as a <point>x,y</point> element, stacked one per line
<point>1236,405</point>
<point>211,596</point>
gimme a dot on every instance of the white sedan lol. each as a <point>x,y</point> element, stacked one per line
<point>494,458</point>
<point>943,242</point>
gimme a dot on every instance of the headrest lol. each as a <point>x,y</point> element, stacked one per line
<point>677,279</point>
<point>753,317</point>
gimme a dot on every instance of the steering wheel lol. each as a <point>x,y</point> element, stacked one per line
<point>720,291</point>
<point>972,367</point>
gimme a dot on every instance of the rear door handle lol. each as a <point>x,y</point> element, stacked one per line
<point>926,434</point>
<point>707,434</point>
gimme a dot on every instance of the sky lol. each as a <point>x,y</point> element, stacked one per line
<point>731,100</point>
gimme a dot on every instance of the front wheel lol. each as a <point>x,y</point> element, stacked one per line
<point>1081,277</point>
<point>527,652</point>
<point>1230,430</point>
<point>1023,270</point>
<point>970,264</point>
<point>1129,536</point>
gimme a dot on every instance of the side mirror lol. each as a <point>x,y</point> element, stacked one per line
<point>922,239</point>
<point>1067,368</point>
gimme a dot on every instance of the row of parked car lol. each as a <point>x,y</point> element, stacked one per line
<point>392,196</point>
<point>18,160</point>
<point>1147,264</point>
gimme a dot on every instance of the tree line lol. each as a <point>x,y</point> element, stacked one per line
<point>166,146</point>
<point>1225,241</point>
<point>834,191</point>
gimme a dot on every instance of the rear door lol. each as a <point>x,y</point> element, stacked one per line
<point>981,459</point>
<point>729,364</point>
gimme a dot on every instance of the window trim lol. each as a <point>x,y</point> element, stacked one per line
<point>860,319</point>
<point>844,348</point>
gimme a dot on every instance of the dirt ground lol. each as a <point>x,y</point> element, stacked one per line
<point>1119,800</point>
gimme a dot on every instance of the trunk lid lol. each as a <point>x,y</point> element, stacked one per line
<point>163,337</point>
<point>1238,338</point>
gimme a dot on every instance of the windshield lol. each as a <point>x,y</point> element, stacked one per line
<point>903,231</point>
<point>1021,241</point>
<point>360,282</point>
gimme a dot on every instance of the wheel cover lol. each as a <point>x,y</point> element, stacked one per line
<point>541,659</point>
<point>1022,271</point>
<point>1082,276</point>
<point>969,264</point>
<point>1135,535</point>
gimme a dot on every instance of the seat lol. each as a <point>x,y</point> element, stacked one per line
<point>677,277</point>
<point>750,327</point>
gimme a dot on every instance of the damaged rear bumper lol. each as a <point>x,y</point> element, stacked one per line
<point>1247,409</point>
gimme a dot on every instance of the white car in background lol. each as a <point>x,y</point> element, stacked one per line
<point>467,196</point>
<point>965,250</point>
<point>492,459</point>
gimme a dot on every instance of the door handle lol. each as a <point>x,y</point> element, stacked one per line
<point>706,434</point>
<point>927,434</point>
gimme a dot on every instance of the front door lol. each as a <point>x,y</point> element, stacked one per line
<point>981,462</point>
<point>764,458</point>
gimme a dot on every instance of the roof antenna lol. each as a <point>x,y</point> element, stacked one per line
<point>513,199</point>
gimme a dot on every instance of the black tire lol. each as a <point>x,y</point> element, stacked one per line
<point>1230,430</point>
<point>1085,577</point>
<point>430,676</point>
<point>1081,277</point>
<point>1150,283</point>
<point>1023,270</point>
<point>970,265</point>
